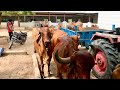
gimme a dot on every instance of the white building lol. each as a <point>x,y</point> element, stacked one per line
<point>105,19</point>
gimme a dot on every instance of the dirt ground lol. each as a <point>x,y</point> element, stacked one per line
<point>19,66</point>
<point>16,66</point>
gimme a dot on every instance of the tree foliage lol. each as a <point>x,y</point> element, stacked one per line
<point>16,14</point>
<point>13,13</point>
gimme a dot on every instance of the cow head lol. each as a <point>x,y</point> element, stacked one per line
<point>79,64</point>
<point>75,39</point>
<point>67,44</point>
<point>46,36</point>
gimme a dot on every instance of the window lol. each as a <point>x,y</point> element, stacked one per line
<point>69,20</point>
<point>45,19</point>
<point>58,20</point>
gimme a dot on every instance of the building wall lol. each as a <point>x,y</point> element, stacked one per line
<point>107,18</point>
<point>84,19</point>
<point>61,18</point>
<point>25,20</point>
<point>95,19</point>
<point>22,24</point>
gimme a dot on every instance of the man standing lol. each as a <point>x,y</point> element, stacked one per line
<point>10,27</point>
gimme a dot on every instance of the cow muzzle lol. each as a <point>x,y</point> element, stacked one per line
<point>47,44</point>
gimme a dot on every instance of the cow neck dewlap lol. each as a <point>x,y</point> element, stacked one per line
<point>44,48</point>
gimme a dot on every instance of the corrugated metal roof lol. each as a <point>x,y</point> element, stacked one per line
<point>67,11</point>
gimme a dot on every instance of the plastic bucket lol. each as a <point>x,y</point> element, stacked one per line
<point>113,27</point>
<point>1,51</point>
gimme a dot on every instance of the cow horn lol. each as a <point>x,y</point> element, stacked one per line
<point>62,60</point>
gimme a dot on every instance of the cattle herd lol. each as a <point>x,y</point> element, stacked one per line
<point>70,25</point>
<point>80,25</point>
<point>71,62</point>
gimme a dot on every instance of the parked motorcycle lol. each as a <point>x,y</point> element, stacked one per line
<point>18,38</point>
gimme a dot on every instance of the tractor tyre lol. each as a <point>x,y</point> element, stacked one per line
<point>106,58</point>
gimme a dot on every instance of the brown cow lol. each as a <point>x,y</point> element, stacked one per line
<point>66,45</point>
<point>56,34</point>
<point>35,31</point>
<point>71,26</point>
<point>116,72</point>
<point>42,45</point>
<point>77,66</point>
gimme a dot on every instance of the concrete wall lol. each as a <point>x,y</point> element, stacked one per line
<point>22,24</point>
<point>25,24</point>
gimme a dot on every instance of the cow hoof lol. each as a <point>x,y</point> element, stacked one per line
<point>49,75</point>
<point>57,75</point>
<point>21,43</point>
<point>45,76</point>
<point>34,51</point>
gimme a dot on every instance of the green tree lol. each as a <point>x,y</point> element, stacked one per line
<point>16,14</point>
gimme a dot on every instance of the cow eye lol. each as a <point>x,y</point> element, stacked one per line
<point>40,33</point>
<point>70,65</point>
<point>51,34</point>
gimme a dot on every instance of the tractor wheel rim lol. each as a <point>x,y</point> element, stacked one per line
<point>100,62</point>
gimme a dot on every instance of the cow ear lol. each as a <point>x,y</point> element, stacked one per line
<point>58,40</point>
<point>74,38</point>
<point>51,34</point>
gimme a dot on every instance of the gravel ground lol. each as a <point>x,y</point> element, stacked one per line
<point>20,66</point>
